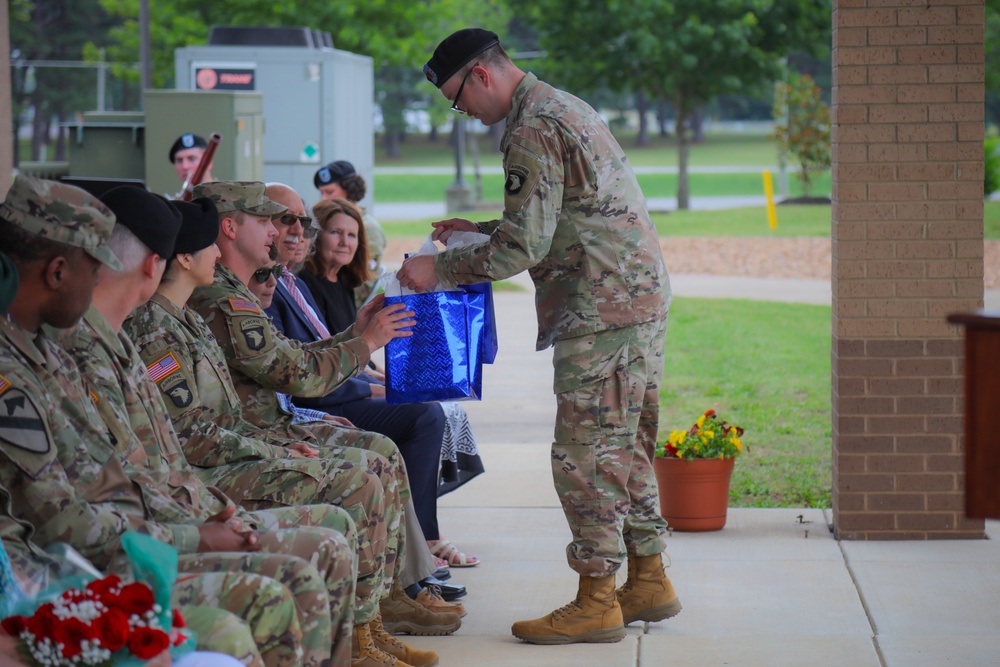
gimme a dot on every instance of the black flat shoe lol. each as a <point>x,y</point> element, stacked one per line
<point>448,591</point>
<point>442,574</point>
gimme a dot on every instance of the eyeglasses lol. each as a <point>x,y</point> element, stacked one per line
<point>454,105</point>
<point>260,276</point>
<point>310,232</point>
<point>290,219</point>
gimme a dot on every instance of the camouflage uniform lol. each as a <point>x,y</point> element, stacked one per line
<point>130,406</point>
<point>59,465</point>
<point>574,216</point>
<point>74,488</point>
<point>241,459</point>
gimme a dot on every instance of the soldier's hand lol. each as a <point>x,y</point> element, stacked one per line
<point>225,532</point>
<point>367,311</point>
<point>302,450</point>
<point>443,229</point>
<point>418,273</point>
<point>387,324</point>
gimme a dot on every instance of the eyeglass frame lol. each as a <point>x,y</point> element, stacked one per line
<point>304,219</point>
<point>266,273</point>
<point>461,87</point>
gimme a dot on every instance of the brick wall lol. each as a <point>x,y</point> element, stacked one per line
<point>907,250</point>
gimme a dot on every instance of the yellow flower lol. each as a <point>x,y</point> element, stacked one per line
<point>701,421</point>
<point>709,434</point>
<point>739,445</point>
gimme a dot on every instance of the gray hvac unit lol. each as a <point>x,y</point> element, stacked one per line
<point>318,102</point>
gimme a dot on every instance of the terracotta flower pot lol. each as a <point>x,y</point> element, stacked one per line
<point>694,494</point>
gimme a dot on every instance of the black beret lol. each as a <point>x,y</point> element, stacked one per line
<point>199,224</point>
<point>149,216</point>
<point>455,51</point>
<point>335,172</point>
<point>186,141</point>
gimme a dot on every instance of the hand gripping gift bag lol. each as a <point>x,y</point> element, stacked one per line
<point>441,361</point>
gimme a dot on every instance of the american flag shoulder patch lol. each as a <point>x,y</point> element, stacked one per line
<point>163,367</point>
<point>4,384</point>
<point>244,305</point>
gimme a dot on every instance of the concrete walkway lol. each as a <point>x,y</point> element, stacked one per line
<point>772,589</point>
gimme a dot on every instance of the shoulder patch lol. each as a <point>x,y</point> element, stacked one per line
<point>4,385</point>
<point>163,367</point>
<point>178,391</point>
<point>252,329</point>
<point>243,305</point>
<point>21,423</point>
<point>522,173</point>
<point>93,398</point>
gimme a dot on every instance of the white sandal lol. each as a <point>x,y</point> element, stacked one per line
<point>448,551</point>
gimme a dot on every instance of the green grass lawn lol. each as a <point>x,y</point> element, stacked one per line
<point>991,220</point>
<point>717,150</point>
<point>393,188</point>
<point>766,367</point>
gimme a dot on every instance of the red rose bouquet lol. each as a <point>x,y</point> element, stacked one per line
<point>86,621</point>
<point>97,625</point>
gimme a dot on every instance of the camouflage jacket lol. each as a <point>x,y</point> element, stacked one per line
<point>59,462</point>
<point>261,360</point>
<point>574,216</point>
<point>187,365</point>
<point>134,411</point>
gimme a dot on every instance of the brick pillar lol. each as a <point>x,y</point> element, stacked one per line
<point>907,250</point>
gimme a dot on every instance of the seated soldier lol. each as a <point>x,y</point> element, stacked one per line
<point>58,461</point>
<point>243,465</point>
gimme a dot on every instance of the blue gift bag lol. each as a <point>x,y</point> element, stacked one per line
<point>436,363</point>
<point>488,337</point>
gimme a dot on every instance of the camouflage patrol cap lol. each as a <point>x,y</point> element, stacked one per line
<point>62,213</point>
<point>246,196</point>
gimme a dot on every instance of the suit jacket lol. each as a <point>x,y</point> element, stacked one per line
<point>292,321</point>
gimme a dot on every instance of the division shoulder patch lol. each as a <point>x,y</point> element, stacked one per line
<point>163,367</point>
<point>243,305</point>
<point>21,423</point>
<point>523,171</point>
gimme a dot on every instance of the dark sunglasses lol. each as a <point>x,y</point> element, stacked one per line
<point>260,276</point>
<point>289,219</point>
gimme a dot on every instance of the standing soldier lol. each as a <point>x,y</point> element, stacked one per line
<point>575,218</point>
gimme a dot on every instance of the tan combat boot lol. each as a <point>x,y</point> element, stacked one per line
<point>364,653</point>
<point>397,649</point>
<point>401,614</point>
<point>594,616</point>
<point>647,595</point>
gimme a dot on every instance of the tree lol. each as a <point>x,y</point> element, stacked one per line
<point>686,51</point>
<point>53,93</point>
<point>802,126</point>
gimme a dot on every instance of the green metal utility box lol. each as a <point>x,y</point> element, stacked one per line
<point>107,145</point>
<point>236,115</point>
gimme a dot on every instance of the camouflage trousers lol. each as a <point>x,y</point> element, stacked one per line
<point>269,614</point>
<point>345,481</point>
<point>607,415</point>
<point>310,551</point>
<point>385,461</point>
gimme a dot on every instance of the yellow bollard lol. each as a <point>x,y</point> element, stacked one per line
<point>772,212</point>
